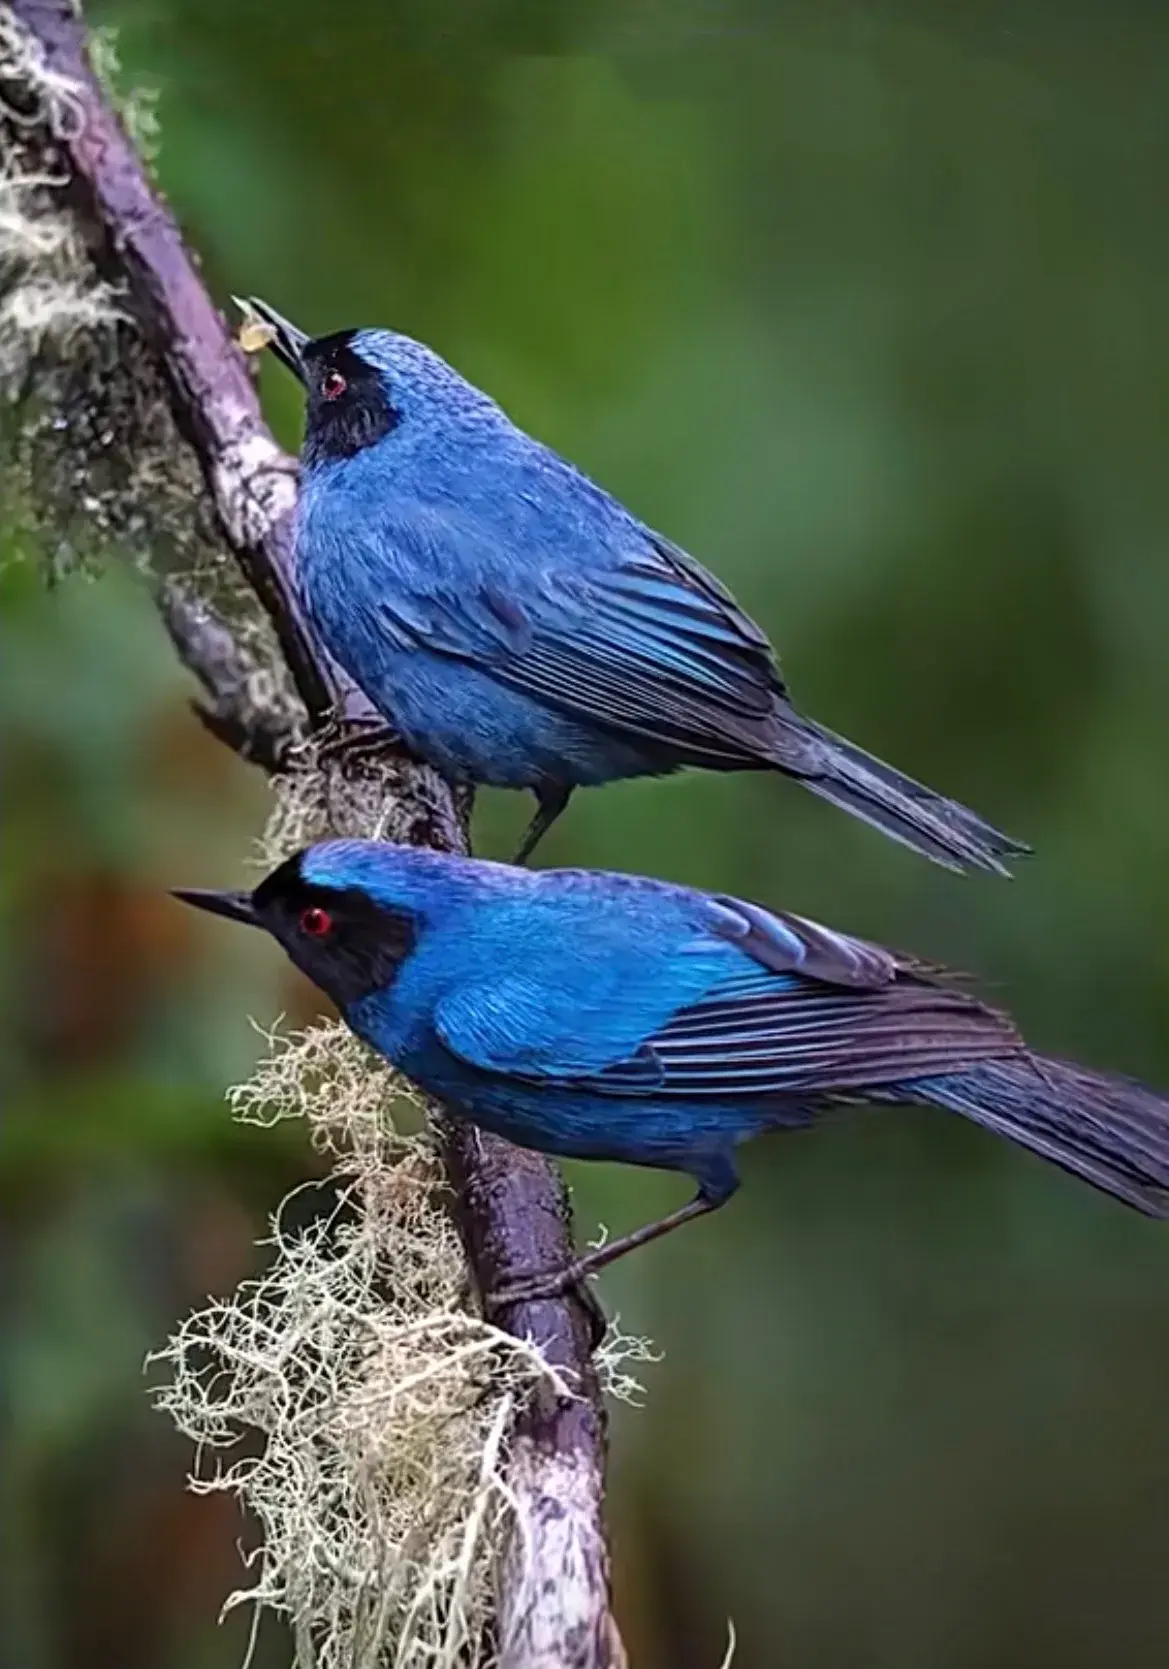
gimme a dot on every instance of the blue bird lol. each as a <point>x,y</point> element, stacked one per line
<point>604,1016</point>
<point>519,627</point>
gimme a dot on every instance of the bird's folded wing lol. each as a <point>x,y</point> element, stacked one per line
<point>818,1012</point>
<point>532,1027</point>
<point>748,1002</point>
<point>653,645</point>
<point>641,648</point>
<point>763,1034</point>
<point>793,944</point>
<point>789,1036</point>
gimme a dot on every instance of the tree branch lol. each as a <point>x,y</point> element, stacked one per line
<point>513,1210</point>
<point>233,712</point>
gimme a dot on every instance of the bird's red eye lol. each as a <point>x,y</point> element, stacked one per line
<point>316,922</point>
<point>333,385</point>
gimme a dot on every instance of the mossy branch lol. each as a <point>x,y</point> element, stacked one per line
<point>107,330</point>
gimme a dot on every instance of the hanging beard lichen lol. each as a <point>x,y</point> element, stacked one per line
<point>383,1403</point>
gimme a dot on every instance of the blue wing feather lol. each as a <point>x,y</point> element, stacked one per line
<point>734,1001</point>
<point>650,642</point>
<point>796,1038</point>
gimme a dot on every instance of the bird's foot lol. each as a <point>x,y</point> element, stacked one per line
<point>529,1289</point>
<point>357,739</point>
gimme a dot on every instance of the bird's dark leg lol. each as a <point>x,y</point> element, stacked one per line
<point>550,803</point>
<point>495,1301</point>
<point>598,1321</point>
<point>716,1187</point>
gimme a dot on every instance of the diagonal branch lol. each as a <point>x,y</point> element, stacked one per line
<point>513,1209</point>
<point>252,482</point>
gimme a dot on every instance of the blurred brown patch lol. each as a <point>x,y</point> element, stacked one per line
<point>97,950</point>
<point>184,759</point>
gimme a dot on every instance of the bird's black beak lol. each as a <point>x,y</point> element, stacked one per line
<point>288,343</point>
<point>236,906</point>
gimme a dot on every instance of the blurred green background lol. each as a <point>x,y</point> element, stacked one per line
<point>865,305</point>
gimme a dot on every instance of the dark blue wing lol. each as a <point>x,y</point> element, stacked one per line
<point>780,1034</point>
<point>661,649</point>
<point>736,1001</point>
<point>651,644</point>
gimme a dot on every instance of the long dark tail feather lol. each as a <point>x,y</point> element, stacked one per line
<point>1110,1130</point>
<point>908,811</point>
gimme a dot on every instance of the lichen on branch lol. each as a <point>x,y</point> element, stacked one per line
<point>382,1402</point>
